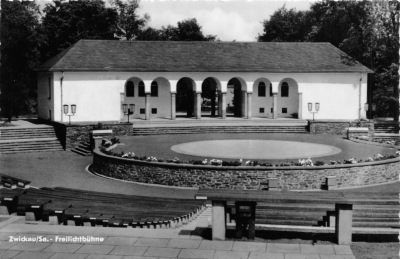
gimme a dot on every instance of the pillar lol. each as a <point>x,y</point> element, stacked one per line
<point>249,105</point>
<point>147,106</point>
<point>223,104</point>
<point>194,104</point>
<point>173,106</point>
<point>344,222</point>
<point>97,142</point>
<point>198,105</point>
<point>219,104</point>
<point>218,220</point>
<point>275,105</point>
<point>300,113</point>
<point>243,102</point>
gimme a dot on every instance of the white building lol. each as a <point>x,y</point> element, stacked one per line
<point>269,80</point>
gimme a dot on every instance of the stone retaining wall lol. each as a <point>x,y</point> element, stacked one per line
<point>335,127</point>
<point>252,178</point>
<point>75,134</point>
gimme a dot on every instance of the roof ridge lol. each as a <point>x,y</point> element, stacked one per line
<point>206,42</point>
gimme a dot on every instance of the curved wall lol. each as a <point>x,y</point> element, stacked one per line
<point>251,178</point>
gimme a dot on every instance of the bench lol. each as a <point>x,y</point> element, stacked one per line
<point>13,182</point>
<point>220,197</point>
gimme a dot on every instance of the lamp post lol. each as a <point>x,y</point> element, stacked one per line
<point>316,109</point>
<point>73,111</point>
<point>129,111</point>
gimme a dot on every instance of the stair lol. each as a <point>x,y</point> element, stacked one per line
<point>84,149</point>
<point>386,131</point>
<point>196,129</point>
<point>19,140</point>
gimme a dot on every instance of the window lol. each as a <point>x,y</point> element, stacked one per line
<point>142,111</point>
<point>284,110</point>
<point>153,110</point>
<point>130,89</point>
<point>272,110</point>
<point>270,90</point>
<point>49,88</point>
<point>154,89</point>
<point>141,89</point>
<point>261,110</point>
<point>261,89</point>
<point>285,90</point>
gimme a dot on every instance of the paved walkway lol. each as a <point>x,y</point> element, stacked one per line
<point>67,242</point>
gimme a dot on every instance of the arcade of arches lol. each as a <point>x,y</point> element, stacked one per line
<point>208,98</point>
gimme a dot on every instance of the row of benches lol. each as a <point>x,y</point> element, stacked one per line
<point>13,182</point>
<point>84,208</point>
<point>334,209</point>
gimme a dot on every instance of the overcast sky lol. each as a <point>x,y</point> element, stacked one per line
<point>230,20</point>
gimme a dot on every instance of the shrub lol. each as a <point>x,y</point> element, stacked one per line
<point>115,140</point>
<point>319,163</point>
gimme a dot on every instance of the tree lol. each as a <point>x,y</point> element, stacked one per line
<point>187,30</point>
<point>286,25</point>
<point>20,42</point>
<point>66,22</point>
<point>129,23</point>
<point>366,31</point>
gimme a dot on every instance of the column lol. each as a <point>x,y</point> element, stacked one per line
<point>198,105</point>
<point>275,105</point>
<point>219,104</point>
<point>300,106</point>
<point>147,106</point>
<point>218,220</point>
<point>194,104</point>
<point>249,102</point>
<point>173,106</point>
<point>344,222</point>
<point>223,104</point>
<point>243,103</point>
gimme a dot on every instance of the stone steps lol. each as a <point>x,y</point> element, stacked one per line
<point>84,149</point>
<point>18,140</point>
<point>218,129</point>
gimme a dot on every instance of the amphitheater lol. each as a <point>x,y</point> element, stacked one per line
<point>159,209</point>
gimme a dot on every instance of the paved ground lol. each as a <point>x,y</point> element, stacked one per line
<point>115,243</point>
<point>67,169</point>
<point>160,145</point>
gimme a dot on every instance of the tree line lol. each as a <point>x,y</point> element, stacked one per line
<point>367,31</point>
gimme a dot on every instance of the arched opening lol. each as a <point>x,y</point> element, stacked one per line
<point>130,89</point>
<point>235,100</point>
<point>262,105</point>
<point>288,99</point>
<point>185,97</point>
<point>209,106</point>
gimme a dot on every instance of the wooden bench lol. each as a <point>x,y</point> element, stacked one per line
<point>13,182</point>
<point>220,197</point>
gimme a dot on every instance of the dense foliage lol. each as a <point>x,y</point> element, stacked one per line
<point>368,31</point>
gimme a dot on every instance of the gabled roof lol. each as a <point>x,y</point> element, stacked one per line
<point>198,56</point>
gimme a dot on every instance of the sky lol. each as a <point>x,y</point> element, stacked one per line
<point>239,20</point>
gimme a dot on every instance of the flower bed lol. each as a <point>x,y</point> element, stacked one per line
<point>106,148</point>
<point>242,175</point>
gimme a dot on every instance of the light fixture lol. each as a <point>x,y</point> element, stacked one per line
<point>73,108</point>
<point>65,109</point>
<point>129,111</point>
<point>316,109</point>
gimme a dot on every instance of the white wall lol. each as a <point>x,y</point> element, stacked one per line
<point>98,94</point>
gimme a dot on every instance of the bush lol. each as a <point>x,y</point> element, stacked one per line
<point>319,163</point>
